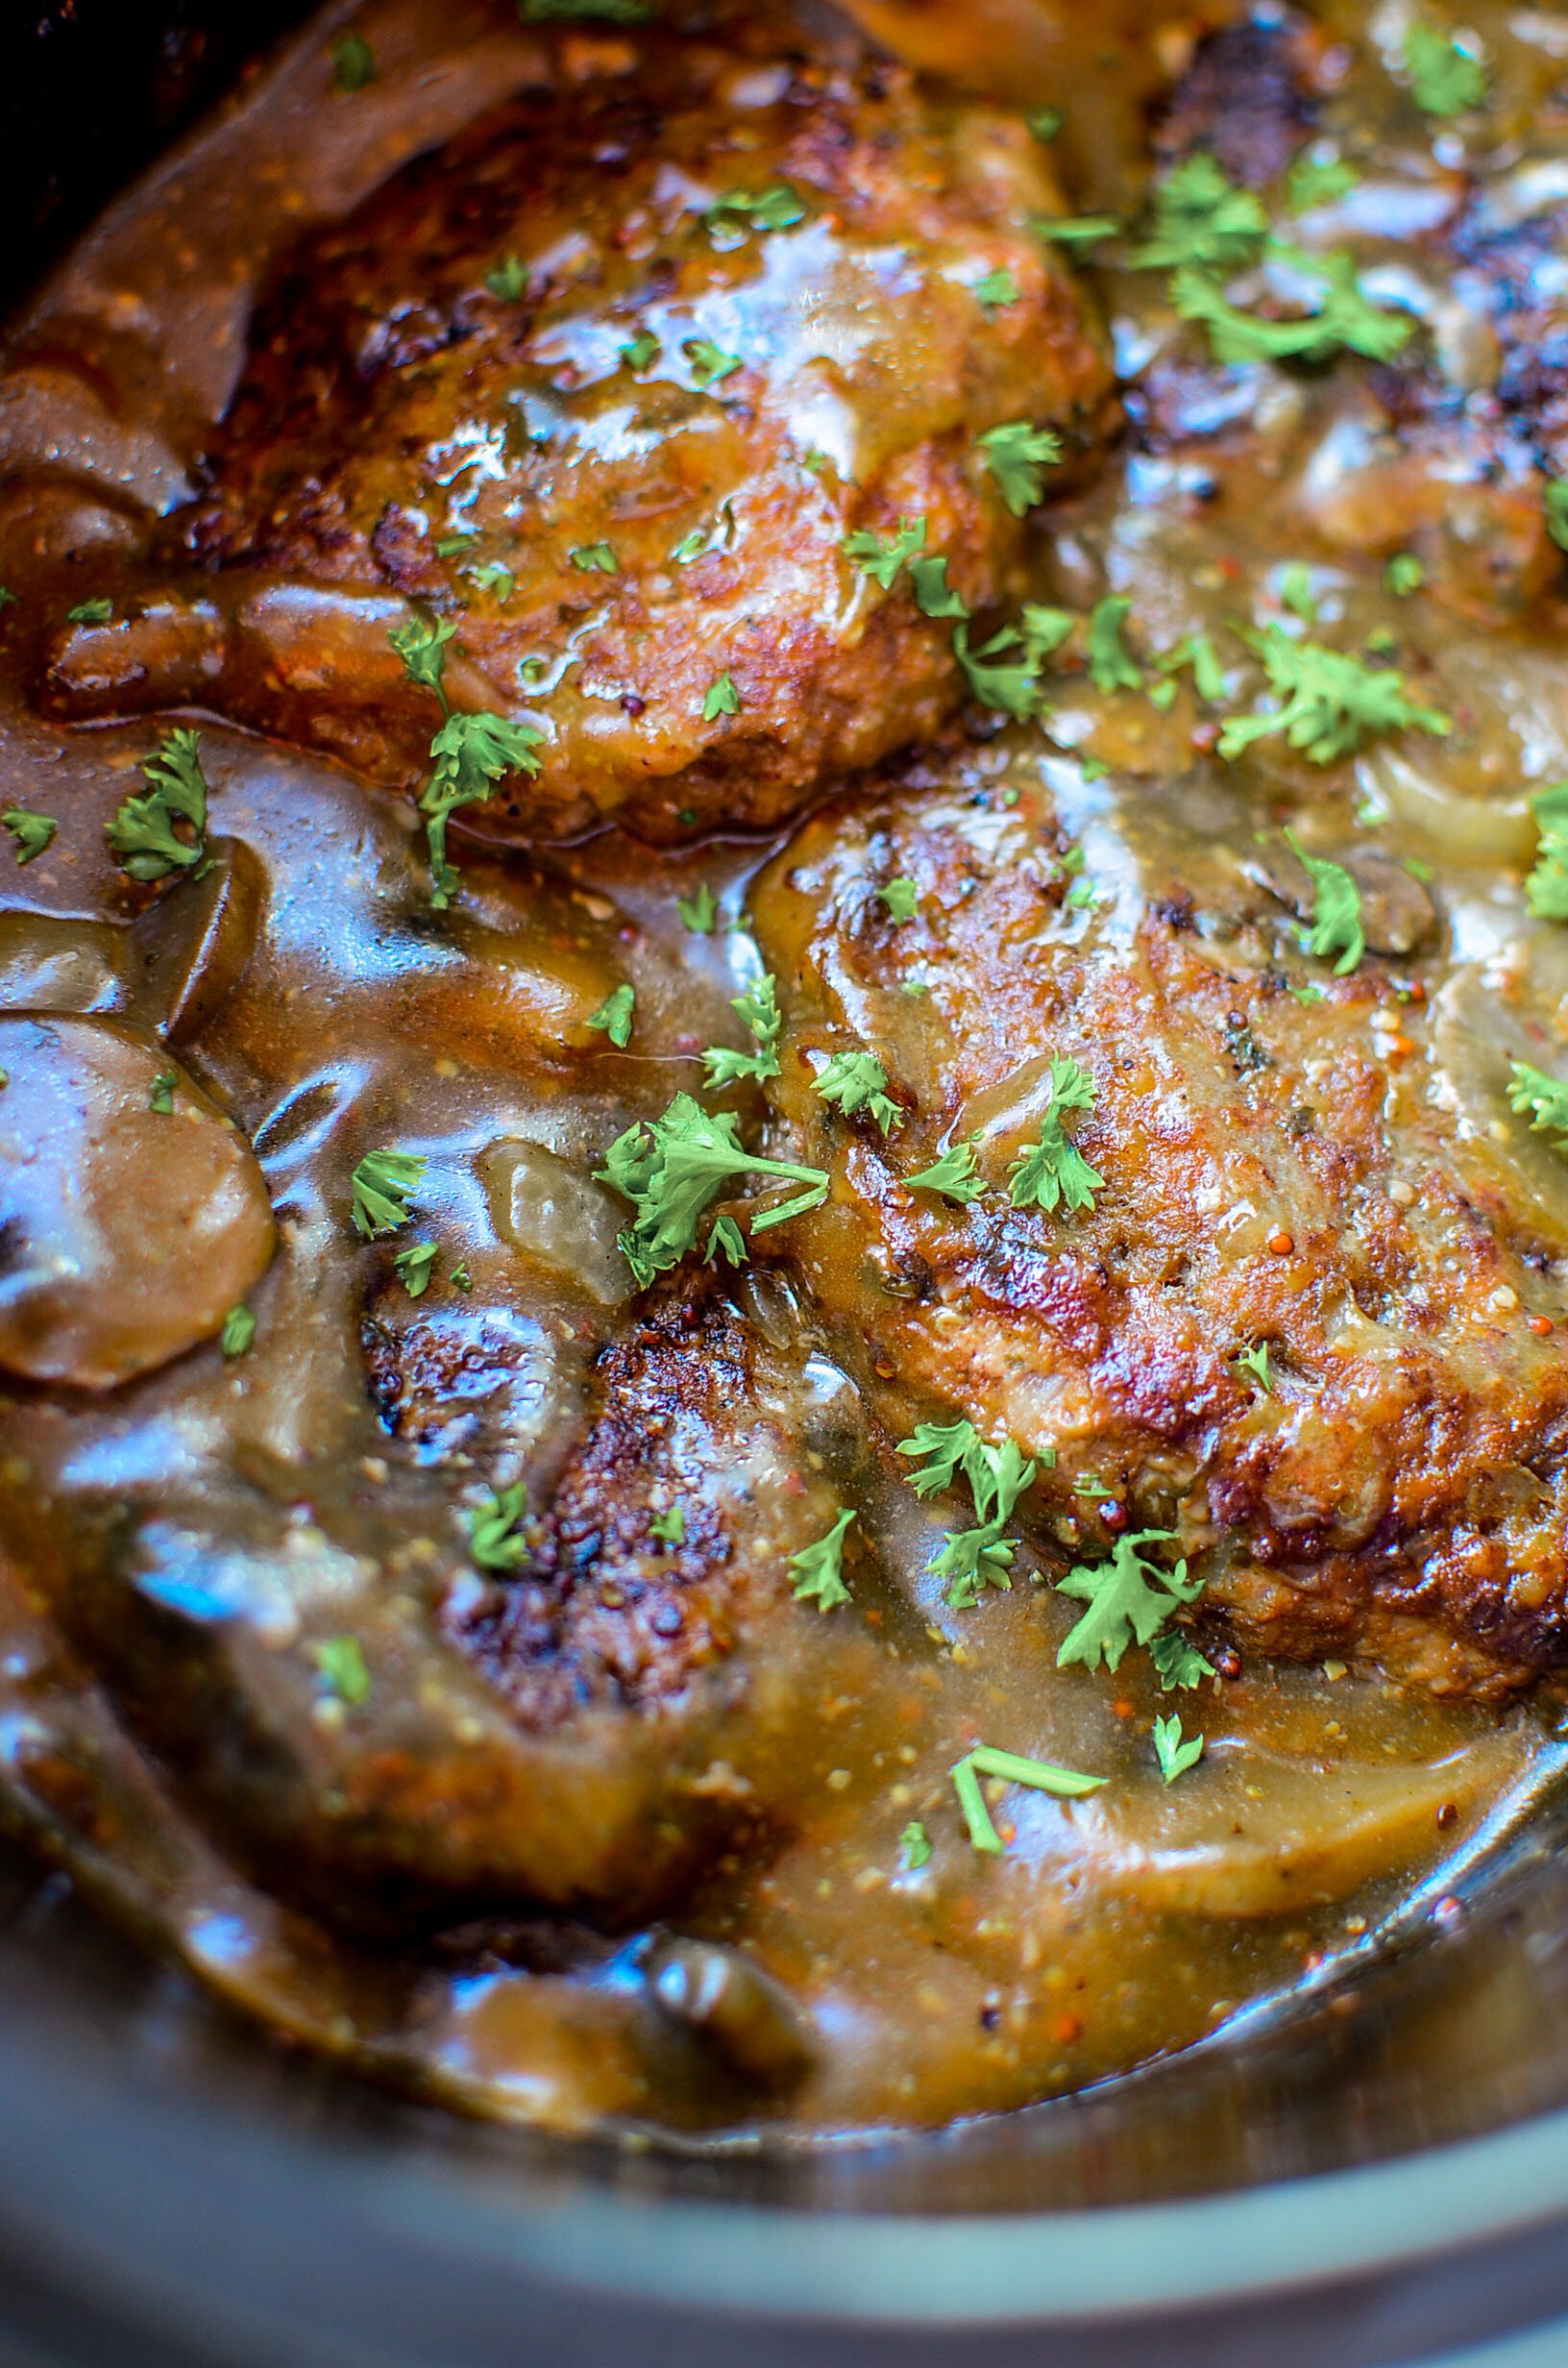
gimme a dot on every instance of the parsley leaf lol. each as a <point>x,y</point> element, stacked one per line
<point>1053,1171</point>
<point>1255,1361</point>
<point>470,754</point>
<point>934,595</point>
<point>1109,667</point>
<point>609,11</point>
<point>721,697</point>
<point>422,646</point>
<point>818,1570</point>
<point>669,1528</point>
<point>915,1844</point>
<point>1202,218</point>
<point>1403,575</point>
<point>1178,1662</point>
<point>726,1240</point>
<point>710,363</point>
<point>1174,1756</point>
<point>1445,80</point>
<point>995,677</point>
<point>639,350</point>
<point>1063,1784</point>
<point>883,560</point>
<point>899,896</point>
<point>496,1538</point>
<point>1546,890</point>
<point>90,613</point>
<point>354,63</point>
<point>415,1267</point>
<point>594,559</point>
<point>1017,455</point>
<point>1555,502</point>
<point>142,832</point>
<point>672,1168</point>
<point>1125,1607</point>
<point>759,1008</point>
<point>698,913</point>
<point>954,1175</point>
<point>776,208</point>
<point>855,1081</point>
<point>995,290</point>
<point>382,1183</point>
<point>1335,926</point>
<point>1313,182</point>
<point>340,1664</point>
<point>164,1086</point>
<point>1332,702</point>
<point>1545,1097</point>
<point>997,1476</point>
<point>972,1559</point>
<point>508,280</point>
<point>238,1332</point>
<point>32,832</point>
<point>1043,123</point>
<point>1074,230</point>
<point>1196,652</point>
<point>614,1015</point>
<point>1343,318</point>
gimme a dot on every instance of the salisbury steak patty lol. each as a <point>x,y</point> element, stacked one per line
<point>1315,1164</point>
<point>605,383</point>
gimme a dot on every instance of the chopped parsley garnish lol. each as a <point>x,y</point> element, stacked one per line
<point>954,1175</point>
<point>934,595</point>
<point>90,613</point>
<point>1074,229</point>
<point>669,1528</point>
<point>415,1268</point>
<point>1174,1756</point>
<point>672,1168</point>
<point>855,1081</point>
<point>970,1560</point>
<point>496,1536</point>
<point>382,1184</point>
<point>163,1088</point>
<point>1403,575</point>
<point>1063,1784</point>
<point>996,290</point>
<point>997,1476</point>
<point>143,833</point>
<point>238,1332</point>
<point>508,280</point>
<point>759,1008</point>
<point>354,63</point>
<point>818,1570</point>
<point>639,350</point>
<point>997,678</point>
<point>1017,455</point>
<point>1445,79</point>
<point>1053,1172</point>
<point>1043,123</point>
<point>1130,1598</point>
<point>1178,1662</point>
<point>727,1241</point>
<point>1342,319</point>
<point>1202,218</point>
<point>340,1664</point>
<point>8,598</point>
<point>607,11</point>
<point>1555,502</point>
<point>1546,890</point>
<point>1544,1098</point>
<point>776,208</point>
<point>698,913</point>
<point>1331,702</point>
<point>469,754</point>
<point>1197,654</point>
<point>614,1015</point>
<point>32,832</point>
<point>1255,1361</point>
<point>900,897</point>
<point>721,697</point>
<point>1334,931</point>
<point>594,559</point>
<point>1295,591</point>
<point>883,558</point>
<point>915,1844</point>
<point>710,363</point>
<point>1313,182</point>
<point>1109,667</point>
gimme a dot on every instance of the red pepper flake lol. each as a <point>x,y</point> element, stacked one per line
<point>1121,1708</point>
<point>1067,2028</point>
<point>1541,1326</point>
<point>1282,1243</point>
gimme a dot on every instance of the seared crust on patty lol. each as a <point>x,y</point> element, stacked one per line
<point>1315,1175</point>
<point>605,383</point>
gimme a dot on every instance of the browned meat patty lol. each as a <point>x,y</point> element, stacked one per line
<point>1338,1179</point>
<point>605,384</point>
<point>1249,97</point>
<point>583,1722</point>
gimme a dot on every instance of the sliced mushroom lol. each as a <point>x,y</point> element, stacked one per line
<point>189,951</point>
<point>127,1230</point>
